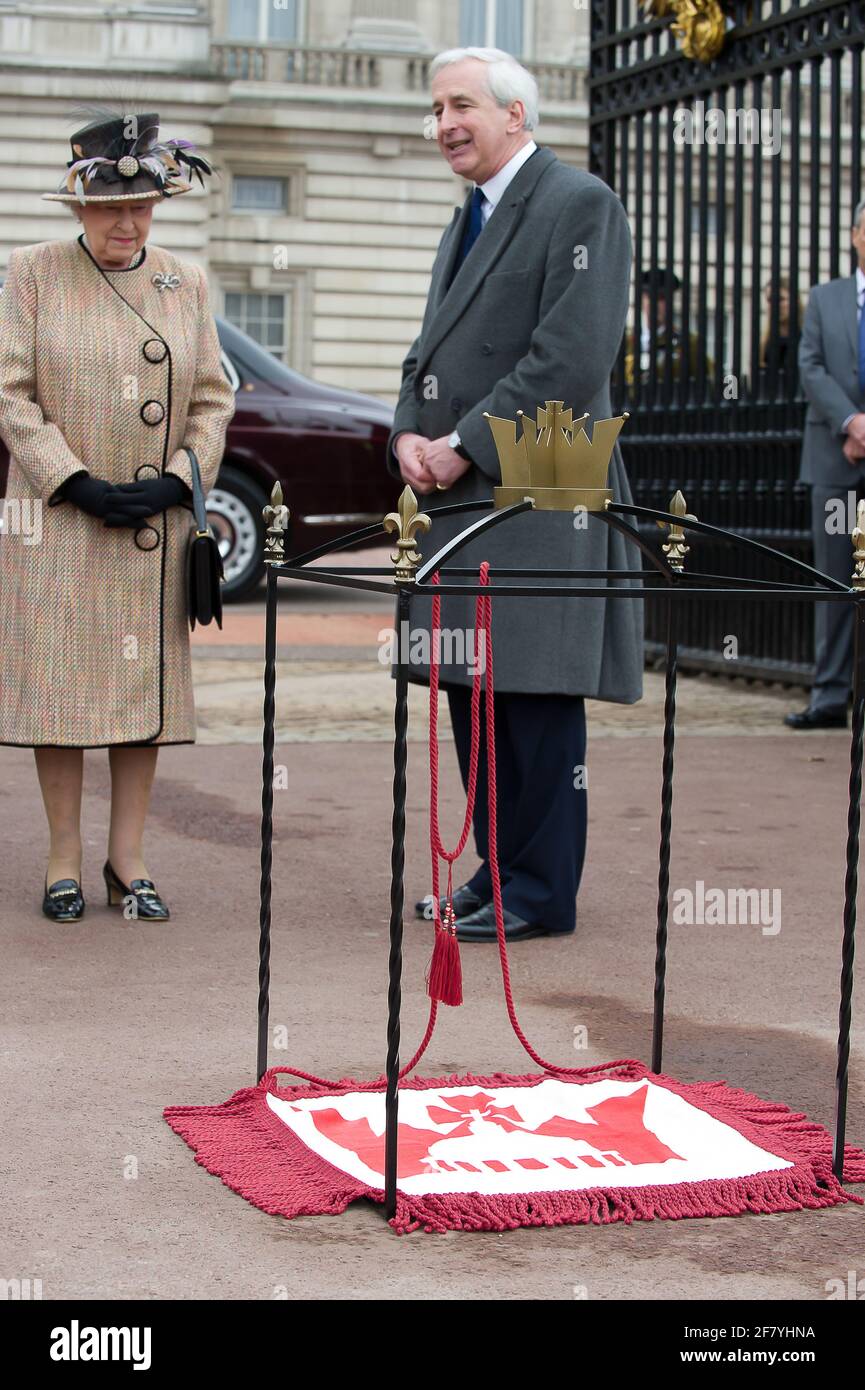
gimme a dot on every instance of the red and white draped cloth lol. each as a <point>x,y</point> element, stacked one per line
<point>497,1152</point>
<point>563,1146</point>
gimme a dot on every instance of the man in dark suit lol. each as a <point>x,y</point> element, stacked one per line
<point>527,303</point>
<point>832,372</point>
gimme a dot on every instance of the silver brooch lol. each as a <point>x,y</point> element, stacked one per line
<point>165,282</point>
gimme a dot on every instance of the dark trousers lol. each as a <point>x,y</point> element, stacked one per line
<point>833,622</point>
<point>541,813</point>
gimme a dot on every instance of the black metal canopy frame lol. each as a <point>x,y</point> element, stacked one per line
<point>671,586</point>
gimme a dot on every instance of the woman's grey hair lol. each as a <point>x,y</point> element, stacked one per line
<point>858,211</point>
<point>507,79</point>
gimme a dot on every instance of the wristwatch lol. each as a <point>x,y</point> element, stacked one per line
<point>456,444</point>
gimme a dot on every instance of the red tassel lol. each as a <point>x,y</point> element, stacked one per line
<point>445,978</point>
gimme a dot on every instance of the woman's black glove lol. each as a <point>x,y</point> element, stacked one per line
<point>91,495</point>
<point>132,503</point>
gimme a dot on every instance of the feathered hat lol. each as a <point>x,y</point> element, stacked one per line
<point>119,158</point>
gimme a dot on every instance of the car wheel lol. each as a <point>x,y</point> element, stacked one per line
<point>234,512</point>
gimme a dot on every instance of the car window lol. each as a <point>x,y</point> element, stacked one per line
<point>230,371</point>
<point>252,362</point>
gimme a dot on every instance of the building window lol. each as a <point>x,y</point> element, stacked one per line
<point>259,193</point>
<point>260,20</point>
<point>263,317</point>
<point>492,24</point>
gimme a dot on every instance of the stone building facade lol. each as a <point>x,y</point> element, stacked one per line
<point>319,233</point>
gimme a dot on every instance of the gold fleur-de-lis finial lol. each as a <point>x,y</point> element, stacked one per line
<point>675,548</point>
<point>276,516</point>
<point>858,539</point>
<point>406,521</point>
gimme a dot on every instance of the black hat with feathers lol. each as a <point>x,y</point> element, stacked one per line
<point>118,157</point>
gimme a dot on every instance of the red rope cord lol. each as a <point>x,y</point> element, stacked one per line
<point>425,1040</point>
<point>437,849</point>
<point>273,1072</point>
<point>485,625</point>
<point>483,630</point>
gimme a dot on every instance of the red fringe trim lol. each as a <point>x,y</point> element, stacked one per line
<point>246,1145</point>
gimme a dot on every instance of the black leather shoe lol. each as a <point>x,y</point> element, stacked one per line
<point>466,901</point>
<point>481,926</point>
<point>834,718</point>
<point>64,900</point>
<point>147,900</point>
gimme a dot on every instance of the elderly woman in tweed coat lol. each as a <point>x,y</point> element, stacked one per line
<point>109,368</point>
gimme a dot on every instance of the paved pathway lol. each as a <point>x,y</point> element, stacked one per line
<point>105,1023</point>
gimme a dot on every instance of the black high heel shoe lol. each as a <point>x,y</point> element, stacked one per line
<point>64,900</point>
<point>147,900</point>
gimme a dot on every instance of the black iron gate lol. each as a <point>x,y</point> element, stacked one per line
<point>740,173</point>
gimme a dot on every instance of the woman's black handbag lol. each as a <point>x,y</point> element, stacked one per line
<point>203,561</point>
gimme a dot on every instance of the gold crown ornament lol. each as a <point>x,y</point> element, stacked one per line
<point>554,464</point>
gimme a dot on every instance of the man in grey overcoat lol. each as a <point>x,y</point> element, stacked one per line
<point>832,372</point>
<point>527,303</point>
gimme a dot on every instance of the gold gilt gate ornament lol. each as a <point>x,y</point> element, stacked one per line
<point>700,26</point>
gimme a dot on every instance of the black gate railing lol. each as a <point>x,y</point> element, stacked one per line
<point>740,176</point>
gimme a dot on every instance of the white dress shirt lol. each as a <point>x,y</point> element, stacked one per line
<point>494,188</point>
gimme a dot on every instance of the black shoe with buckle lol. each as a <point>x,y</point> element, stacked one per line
<point>466,901</point>
<point>833,718</point>
<point>147,901</point>
<point>64,900</point>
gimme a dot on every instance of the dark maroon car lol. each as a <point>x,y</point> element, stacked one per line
<point>326,447</point>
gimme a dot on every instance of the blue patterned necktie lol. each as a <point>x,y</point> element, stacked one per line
<point>474,228</point>
<point>862,351</point>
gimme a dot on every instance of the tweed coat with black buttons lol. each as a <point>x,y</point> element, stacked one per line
<point>104,371</point>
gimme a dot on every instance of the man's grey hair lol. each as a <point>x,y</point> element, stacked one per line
<point>507,79</point>
<point>858,211</point>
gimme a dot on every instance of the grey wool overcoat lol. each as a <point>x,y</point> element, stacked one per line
<point>829,372</point>
<point>108,372</point>
<point>536,313</point>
